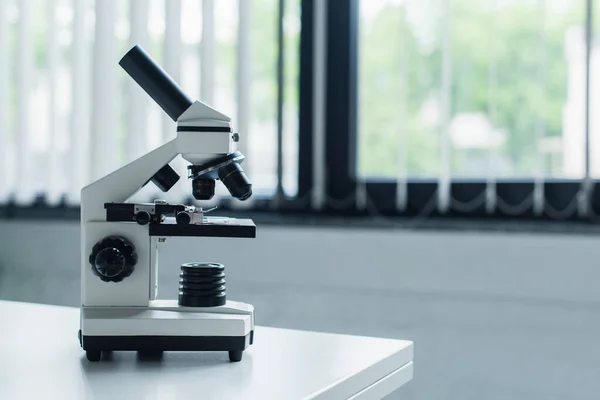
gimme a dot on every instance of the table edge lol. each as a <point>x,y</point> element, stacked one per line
<point>388,384</point>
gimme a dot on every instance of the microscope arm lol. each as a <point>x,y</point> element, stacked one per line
<point>193,141</point>
<point>124,182</point>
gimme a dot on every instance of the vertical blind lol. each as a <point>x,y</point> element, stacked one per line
<point>426,95</point>
<point>478,92</point>
<point>69,115</point>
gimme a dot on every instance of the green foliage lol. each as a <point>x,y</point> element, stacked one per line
<point>508,63</point>
<point>264,56</point>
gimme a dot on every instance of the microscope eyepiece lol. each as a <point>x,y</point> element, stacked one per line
<point>155,81</point>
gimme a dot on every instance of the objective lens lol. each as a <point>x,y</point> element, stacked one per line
<point>235,180</point>
<point>203,188</point>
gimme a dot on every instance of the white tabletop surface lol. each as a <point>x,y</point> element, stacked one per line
<point>40,357</point>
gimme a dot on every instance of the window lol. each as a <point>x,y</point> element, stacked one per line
<point>464,108</point>
<point>69,110</point>
<point>480,88</point>
<point>432,108</point>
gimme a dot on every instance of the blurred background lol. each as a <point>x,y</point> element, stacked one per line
<point>422,169</point>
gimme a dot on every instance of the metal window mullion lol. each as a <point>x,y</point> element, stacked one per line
<point>308,160</point>
<point>319,103</point>
<point>341,115</point>
<point>280,99</point>
<point>584,196</point>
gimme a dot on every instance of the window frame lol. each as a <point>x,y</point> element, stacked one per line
<point>379,195</point>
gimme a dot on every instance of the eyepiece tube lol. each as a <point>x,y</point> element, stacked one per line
<point>155,81</point>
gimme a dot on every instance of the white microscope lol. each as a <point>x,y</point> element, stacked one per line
<point>119,240</point>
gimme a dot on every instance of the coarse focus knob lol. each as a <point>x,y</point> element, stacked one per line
<point>113,258</point>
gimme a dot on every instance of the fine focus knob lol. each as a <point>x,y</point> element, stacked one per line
<point>113,258</point>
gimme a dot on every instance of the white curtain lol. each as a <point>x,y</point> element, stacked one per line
<point>69,114</point>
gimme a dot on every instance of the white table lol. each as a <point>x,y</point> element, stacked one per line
<point>40,357</point>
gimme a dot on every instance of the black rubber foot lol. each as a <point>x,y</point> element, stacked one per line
<point>93,355</point>
<point>150,354</point>
<point>235,355</point>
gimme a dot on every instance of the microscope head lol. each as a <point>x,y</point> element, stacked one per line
<point>204,136</point>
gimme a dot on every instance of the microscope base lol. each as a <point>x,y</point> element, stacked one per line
<point>166,326</point>
<point>155,345</point>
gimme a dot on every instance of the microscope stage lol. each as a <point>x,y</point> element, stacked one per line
<point>162,222</point>
<point>215,227</point>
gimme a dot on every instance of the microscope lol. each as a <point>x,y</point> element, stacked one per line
<point>120,240</point>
